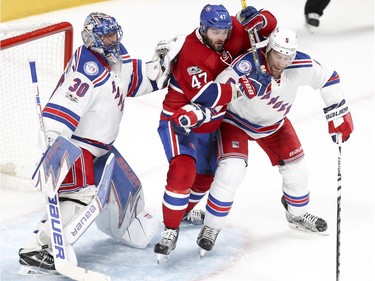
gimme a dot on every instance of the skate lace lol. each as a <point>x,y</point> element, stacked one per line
<point>209,233</point>
<point>195,216</point>
<point>309,219</point>
<point>169,237</point>
<point>44,256</point>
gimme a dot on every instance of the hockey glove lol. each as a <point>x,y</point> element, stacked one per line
<point>339,120</point>
<point>250,18</point>
<point>254,84</point>
<point>189,116</point>
<point>159,68</point>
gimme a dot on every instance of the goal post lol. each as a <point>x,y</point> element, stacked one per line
<point>51,46</point>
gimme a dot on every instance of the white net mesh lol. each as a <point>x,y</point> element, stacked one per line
<point>20,150</point>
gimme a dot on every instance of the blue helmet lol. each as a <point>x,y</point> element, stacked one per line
<point>96,27</point>
<point>215,16</point>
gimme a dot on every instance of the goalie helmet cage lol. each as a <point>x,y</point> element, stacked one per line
<point>51,46</point>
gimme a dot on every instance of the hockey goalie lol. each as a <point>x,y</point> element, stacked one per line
<point>84,177</point>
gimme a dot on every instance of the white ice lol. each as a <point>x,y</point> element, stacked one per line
<point>256,243</point>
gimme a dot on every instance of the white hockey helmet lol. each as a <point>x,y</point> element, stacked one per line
<point>283,41</point>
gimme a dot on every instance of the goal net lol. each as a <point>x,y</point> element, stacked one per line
<point>50,45</point>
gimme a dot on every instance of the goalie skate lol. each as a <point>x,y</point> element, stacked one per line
<point>306,222</point>
<point>166,245</point>
<point>36,263</point>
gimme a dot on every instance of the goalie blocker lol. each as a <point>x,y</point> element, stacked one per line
<point>115,203</point>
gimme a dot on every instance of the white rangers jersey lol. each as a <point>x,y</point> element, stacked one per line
<point>88,102</point>
<point>263,115</point>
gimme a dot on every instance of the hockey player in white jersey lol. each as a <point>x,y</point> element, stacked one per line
<point>261,116</point>
<point>86,108</point>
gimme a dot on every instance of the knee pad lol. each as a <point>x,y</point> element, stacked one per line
<point>229,175</point>
<point>295,178</point>
<point>181,174</point>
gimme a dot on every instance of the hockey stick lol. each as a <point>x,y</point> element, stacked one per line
<point>339,142</point>
<point>62,265</point>
<point>250,31</point>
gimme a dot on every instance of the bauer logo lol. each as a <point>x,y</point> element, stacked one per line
<point>244,66</point>
<point>85,220</point>
<point>91,68</point>
<point>56,228</point>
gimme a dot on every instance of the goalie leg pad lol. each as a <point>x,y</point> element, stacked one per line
<point>77,215</point>
<point>141,230</point>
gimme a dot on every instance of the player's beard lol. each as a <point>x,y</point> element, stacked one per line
<point>275,71</point>
<point>217,46</point>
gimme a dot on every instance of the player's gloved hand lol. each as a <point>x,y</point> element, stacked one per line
<point>254,84</point>
<point>159,68</point>
<point>339,120</point>
<point>189,116</point>
<point>250,18</point>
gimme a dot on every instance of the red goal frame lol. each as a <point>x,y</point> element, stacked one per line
<point>43,32</point>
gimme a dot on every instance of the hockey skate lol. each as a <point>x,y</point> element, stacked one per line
<point>195,217</point>
<point>206,239</point>
<point>307,222</point>
<point>36,262</point>
<point>166,245</point>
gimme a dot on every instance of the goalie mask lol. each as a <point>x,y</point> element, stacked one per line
<point>102,34</point>
<point>283,41</point>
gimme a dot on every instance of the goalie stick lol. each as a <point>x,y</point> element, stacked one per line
<point>258,67</point>
<point>62,265</point>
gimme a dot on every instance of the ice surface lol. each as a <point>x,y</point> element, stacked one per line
<point>256,243</point>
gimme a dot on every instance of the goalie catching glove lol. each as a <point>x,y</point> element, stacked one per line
<point>189,116</point>
<point>159,68</point>
<point>339,120</point>
<point>254,84</point>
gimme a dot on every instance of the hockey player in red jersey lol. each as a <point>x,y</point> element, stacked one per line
<point>262,118</point>
<point>187,131</point>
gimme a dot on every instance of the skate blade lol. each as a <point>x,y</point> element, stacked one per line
<point>202,252</point>
<point>162,258</point>
<point>37,271</point>
<point>300,228</point>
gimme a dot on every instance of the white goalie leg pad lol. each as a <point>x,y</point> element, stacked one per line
<point>77,217</point>
<point>133,225</point>
<point>228,177</point>
<point>295,183</point>
<point>141,230</point>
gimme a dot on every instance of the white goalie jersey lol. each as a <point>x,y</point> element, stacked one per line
<point>88,103</point>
